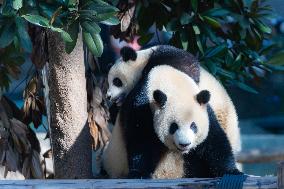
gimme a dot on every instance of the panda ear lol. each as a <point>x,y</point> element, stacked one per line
<point>160,97</point>
<point>203,97</point>
<point>128,53</point>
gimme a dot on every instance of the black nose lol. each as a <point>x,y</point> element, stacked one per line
<point>184,144</point>
<point>108,97</point>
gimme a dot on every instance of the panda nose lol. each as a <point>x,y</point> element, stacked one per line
<point>108,97</point>
<point>184,145</point>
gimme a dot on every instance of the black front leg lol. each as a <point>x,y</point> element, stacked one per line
<point>139,166</point>
<point>217,150</point>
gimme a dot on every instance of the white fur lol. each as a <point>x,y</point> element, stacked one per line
<point>223,107</point>
<point>115,156</point>
<point>181,107</point>
<point>129,72</point>
<point>171,166</point>
<point>184,135</point>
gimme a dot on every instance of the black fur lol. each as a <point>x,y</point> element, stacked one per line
<point>203,97</point>
<point>144,149</point>
<point>177,58</point>
<point>128,53</point>
<point>212,158</point>
<point>160,97</point>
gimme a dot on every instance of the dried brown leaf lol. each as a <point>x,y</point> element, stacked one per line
<point>11,159</point>
<point>27,105</point>
<point>99,118</point>
<point>18,127</point>
<point>16,141</point>
<point>26,168</point>
<point>33,104</point>
<point>97,96</point>
<point>36,168</point>
<point>126,19</point>
<point>5,172</point>
<point>2,156</point>
<point>94,133</point>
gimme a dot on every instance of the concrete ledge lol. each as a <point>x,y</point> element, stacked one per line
<point>211,183</point>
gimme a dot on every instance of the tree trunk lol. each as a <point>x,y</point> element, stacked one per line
<point>70,136</point>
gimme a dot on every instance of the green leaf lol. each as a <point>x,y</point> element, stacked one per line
<point>94,16</point>
<point>245,87</point>
<point>90,27</point>
<point>208,31</point>
<point>7,35</point>
<point>229,58</point>
<point>215,51</point>
<point>73,30</point>
<point>213,22</point>
<point>66,37</point>
<point>17,4</point>
<point>37,20</point>
<point>172,25</point>
<point>194,5</point>
<point>111,21</point>
<point>184,39</point>
<point>275,67</point>
<point>196,29</point>
<point>226,73</point>
<point>23,35</point>
<point>71,3</point>
<point>144,39</point>
<point>199,45</point>
<point>94,43</point>
<point>216,12</point>
<point>238,62</point>
<point>212,67</point>
<point>277,59</point>
<point>7,8</point>
<point>264,28</point>
<point>185,18</point>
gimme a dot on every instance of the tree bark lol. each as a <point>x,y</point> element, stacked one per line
<point>70,136</point>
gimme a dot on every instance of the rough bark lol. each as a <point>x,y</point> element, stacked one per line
<point>70,136</point>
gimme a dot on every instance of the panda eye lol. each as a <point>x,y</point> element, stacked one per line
<point>117,82</point>
<point>173,128</point>
<point>193,127</point>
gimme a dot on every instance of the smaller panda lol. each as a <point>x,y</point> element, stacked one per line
<point>168,130</point>
<point>133,65</point>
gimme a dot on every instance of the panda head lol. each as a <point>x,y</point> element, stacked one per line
<point>180,109</point>
<point>125,73</point>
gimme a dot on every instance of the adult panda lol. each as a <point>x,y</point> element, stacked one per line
<point>133,65</point>
<point>170,134</point>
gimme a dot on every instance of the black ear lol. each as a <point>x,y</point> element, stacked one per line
<point>128,53</point>
<point>203,97</point>
<point>160,97</point>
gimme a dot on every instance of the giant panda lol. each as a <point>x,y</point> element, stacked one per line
<point>170,130</point>
<point>132,65</point>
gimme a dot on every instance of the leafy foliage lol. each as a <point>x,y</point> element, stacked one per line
<point>226,35</point>
<point>62,16</point>
<point>19,147</point>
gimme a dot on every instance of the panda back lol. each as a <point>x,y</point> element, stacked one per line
<point>177,58</point>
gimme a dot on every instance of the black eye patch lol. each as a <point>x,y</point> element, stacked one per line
<point>193,127</point>
<point>117,82</point>
<point>173,128</point>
